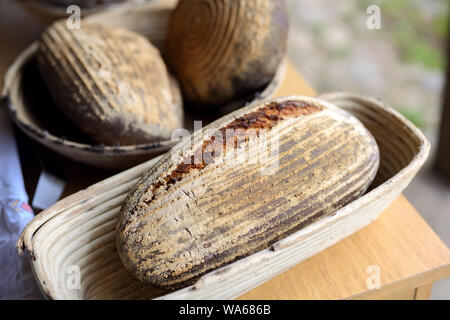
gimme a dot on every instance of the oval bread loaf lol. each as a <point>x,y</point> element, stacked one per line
<point>110,82</point>
<point>282,165</point>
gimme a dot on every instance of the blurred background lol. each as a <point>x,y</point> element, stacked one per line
<point>403,63</point>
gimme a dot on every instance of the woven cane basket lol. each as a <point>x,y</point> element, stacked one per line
<point>80,230</point>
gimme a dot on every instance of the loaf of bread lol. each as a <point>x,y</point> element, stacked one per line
<point>280,166</point>
<point>110,82</point>
<point>221,50</point>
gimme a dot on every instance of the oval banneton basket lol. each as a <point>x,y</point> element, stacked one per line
<point>80,230</point>
<point>32,109</point>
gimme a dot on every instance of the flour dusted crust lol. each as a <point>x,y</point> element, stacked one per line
<point>110,82</point>
<point>184,219</point>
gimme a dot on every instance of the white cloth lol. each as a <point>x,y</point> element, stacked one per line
<point>16,278</point>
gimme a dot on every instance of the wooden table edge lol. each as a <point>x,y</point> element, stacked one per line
<point>420,280</point>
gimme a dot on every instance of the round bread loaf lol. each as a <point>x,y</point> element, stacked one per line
<point>223,49</point>
<point>110,82</point>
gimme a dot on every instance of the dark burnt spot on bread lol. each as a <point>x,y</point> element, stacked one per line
<point>264,118</point>
<point>271,114</point>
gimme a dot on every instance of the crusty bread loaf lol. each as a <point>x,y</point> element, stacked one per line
<point>221,50</point>
<point>198,210</point>
<point>110,82</point>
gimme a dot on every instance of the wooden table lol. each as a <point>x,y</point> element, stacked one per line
<point>406,251</point>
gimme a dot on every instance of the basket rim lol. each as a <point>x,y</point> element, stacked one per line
<point>39,134</point>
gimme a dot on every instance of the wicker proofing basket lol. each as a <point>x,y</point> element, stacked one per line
<point>80,230</point>
<point>26,108</point>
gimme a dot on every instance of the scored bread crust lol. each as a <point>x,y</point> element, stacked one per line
<point>224,50</point>
<point>110,82</point>
<point>182,221</point>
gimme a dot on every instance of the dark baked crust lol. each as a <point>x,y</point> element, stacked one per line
<point>222,50</point>
<point>110,82</point>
